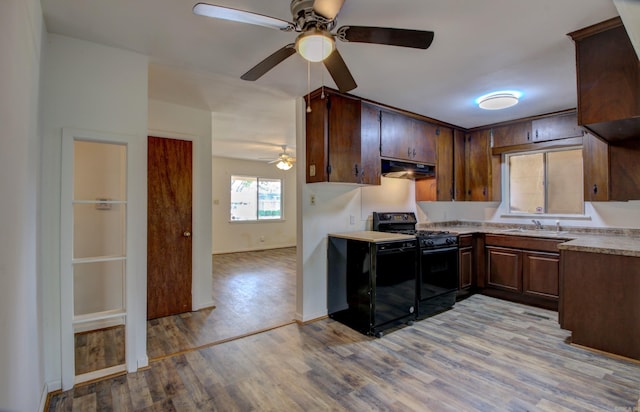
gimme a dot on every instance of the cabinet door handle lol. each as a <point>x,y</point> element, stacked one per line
<point>408,152</point>
<point>595,189</point>
<point>355,168</point>
<point>414,153</point>
<point>528,135</point>
<point>484,191</point>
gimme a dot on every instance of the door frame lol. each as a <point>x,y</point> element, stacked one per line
<point>136,271</point>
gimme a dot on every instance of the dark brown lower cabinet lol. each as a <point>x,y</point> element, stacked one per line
<point>600,301</point>
<point>504,269</point>
<point>522,269</point>
<point>541,274</point>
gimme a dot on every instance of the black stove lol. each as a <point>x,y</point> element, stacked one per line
<point>437,279</point>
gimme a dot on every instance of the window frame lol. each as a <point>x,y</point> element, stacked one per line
<point>506,186</point>
<point>257,210</point>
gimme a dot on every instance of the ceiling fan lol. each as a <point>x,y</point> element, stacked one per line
<point>314,20</point>
<point>284,161</point>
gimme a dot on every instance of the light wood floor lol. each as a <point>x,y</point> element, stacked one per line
<point>251,291</point>
<point>483,355</point>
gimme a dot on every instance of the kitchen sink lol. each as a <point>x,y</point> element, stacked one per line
<point>540,232</point>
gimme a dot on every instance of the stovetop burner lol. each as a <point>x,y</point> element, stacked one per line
<point>421,232</point>
<point>431,233</point>
<point>405,223</point>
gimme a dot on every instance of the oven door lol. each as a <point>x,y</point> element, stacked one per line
<point>438,272</point>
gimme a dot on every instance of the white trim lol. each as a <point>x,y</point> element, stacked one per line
<point>107,314</point>
<point>101,373</point>
<point>313,316</point>
<point>43,397</point>
<point>97,324</point>
<point>143,362</point>
<point>203,305</point>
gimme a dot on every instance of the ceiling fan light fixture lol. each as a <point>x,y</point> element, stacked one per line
<point>284,165</point>
<point>315,45</point>
<point>498,100</point>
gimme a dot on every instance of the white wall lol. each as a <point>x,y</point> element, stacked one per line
<point>243,236</point>
<point>180,122</point>
<point>99,88</point>
<point>21,360</point>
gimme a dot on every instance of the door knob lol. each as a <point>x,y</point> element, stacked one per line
<point>186,234</point>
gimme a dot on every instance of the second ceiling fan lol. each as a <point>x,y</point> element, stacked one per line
<point>315,20</point>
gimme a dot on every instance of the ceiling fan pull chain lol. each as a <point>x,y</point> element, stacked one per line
<point>308,86</point>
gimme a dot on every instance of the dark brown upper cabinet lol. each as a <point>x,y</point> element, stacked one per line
<point>562,126</point>
<point>406,138</point>
<point>608,73</point>
<point>482,170</point>
<point>511,134</point>
<point>343,135</point>
<point>442,186</point>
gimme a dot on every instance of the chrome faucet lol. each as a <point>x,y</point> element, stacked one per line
<point>537,224</point>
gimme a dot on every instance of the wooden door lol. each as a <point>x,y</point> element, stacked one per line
<point>169,254</point>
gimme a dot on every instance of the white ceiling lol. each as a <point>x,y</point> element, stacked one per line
<point>479,46</point>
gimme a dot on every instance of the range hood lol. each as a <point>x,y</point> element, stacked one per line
<point>406,170</point>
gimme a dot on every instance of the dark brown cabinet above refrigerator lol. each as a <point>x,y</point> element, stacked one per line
<point>608,72</point>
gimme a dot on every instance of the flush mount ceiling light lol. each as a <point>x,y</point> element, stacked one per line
<point>315,45</point>
<point>284,165</point>
<point>498,100</point>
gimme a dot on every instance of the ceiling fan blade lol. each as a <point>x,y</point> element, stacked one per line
<point>269,63</point>
<point>328,8</point>
<point>417,39</point>
<point>339,72</point>
<point>227,13</point>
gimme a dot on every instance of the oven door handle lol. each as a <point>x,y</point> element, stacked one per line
<point>432,251</point>
<point>398,250</point>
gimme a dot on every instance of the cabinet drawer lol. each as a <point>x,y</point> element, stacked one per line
<point>523,242</point>
<point>465,240</point>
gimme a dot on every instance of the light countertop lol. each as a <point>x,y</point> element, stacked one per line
<point>612,242</point>
<point>372,236</point>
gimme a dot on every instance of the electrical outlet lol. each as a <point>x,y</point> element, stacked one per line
<point>352,220</point>
<point>312,200</point>
<point>261,238</point>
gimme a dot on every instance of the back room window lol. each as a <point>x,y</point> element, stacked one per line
<point>255,198</point>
